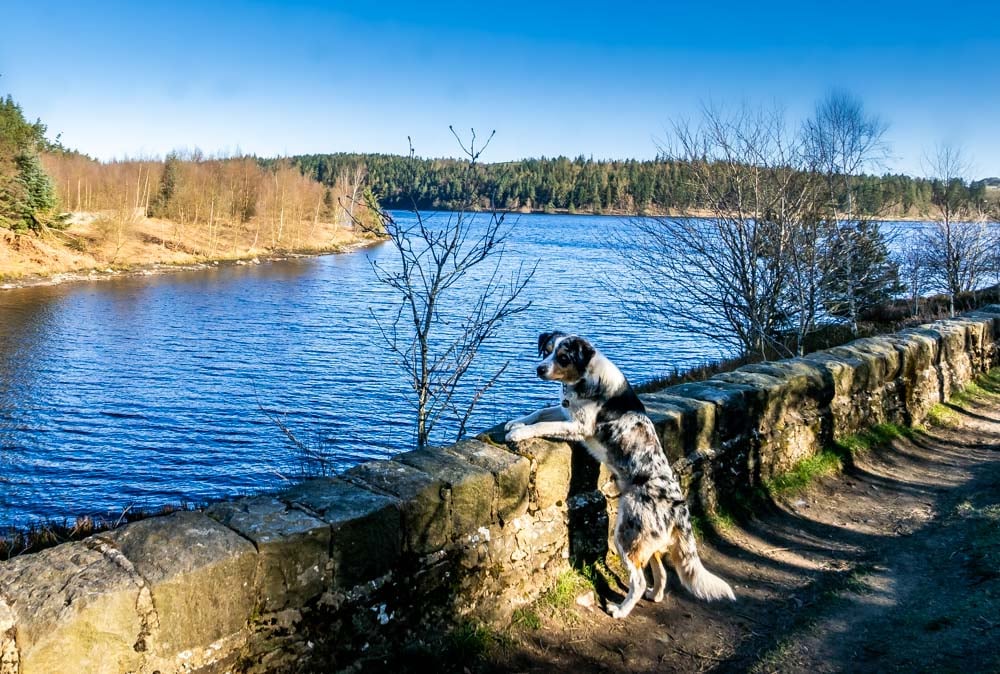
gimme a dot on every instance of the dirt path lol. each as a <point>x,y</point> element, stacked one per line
<point>892,566</point>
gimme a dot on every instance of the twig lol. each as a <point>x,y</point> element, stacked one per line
<point>697,655</point>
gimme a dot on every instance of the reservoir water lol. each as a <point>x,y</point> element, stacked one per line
<point>148,390</point>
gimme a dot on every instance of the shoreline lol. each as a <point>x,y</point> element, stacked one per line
<point>629,214</point>
<point>163,268</point>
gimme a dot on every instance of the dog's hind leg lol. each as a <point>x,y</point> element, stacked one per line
<point>636,583</point>
<point>655,593</point>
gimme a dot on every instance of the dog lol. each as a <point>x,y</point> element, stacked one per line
<point>600,409</point>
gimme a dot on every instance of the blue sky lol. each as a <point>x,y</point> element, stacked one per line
<point>601,79</point>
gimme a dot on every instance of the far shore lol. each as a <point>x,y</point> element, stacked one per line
<point>157,268</point>
<point>86,251</point>
<point>669,213</point>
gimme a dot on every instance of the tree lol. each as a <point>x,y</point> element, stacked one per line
<point>725,276</point>
<point>959,245</point>
<point>913,268</point>
<point>27,196</point>
<point>160,207</point>
<point>434,340</point>
<point>841,140</point>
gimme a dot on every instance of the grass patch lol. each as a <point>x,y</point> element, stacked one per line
<point>471,641</point>
<point>569,585</point>
<point>562,596</point>
<point>526,618</point>
<point>942,416</point>
<point>876,436</point>
<point>832,460</point>
<point>804,472</point>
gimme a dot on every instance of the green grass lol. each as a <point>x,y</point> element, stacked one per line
<point>942,416</point>
<point>986,387</point>
<point>827,462</point>
<point>569,585</point>
<point>832,460</point>
<point>526,618</point>
<point>562,596</point>
<point>471,641</point>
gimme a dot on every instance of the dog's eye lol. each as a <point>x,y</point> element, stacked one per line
<point>562,359</point>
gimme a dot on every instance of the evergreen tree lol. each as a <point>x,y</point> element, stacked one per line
<point>27,196</point>
<point>862,274</point>
<point>160,207</point>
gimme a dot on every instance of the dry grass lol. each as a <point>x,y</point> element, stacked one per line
<point>111,240</point>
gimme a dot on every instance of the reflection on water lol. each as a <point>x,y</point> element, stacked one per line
<point>147,390</point>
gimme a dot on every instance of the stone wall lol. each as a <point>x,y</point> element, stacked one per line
<point>342,571</point>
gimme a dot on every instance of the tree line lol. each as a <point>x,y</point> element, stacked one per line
<point>584,185</point>
<point>215,205</point>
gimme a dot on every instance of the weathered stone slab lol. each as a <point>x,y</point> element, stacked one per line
<point>201,576</point>
<point>366,528</point>
<point>473,489</point>
<point>71,610</point>
<point>732,422</point>
<point>551,463</point>
<point>919,380</point>
<point>799,376</point>
<point>850,404</point>
<point>293,547</point>
<point>423,501</point>
<point>954,363</point>
<point>685,425</point>
<point>511,471</point>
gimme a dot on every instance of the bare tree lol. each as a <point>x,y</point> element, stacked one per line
<point>841,141</point>
<point>960,244</point>
<point>434,338</point>
<point>913,268</point>
<point>725,276</point>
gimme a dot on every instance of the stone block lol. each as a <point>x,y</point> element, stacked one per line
<point>801,377</point>
<point>919,380</point>
<point>293,547</point>
<point>551,464</point>
<point>366,528</point>
<point>423,501</point>
<point>954,363</point>
<point>685,425</point>
<point>201,576</point>
<point>70,609</point>
<point>511,471</point>
<point>473,489</point>
<point>849,407</point>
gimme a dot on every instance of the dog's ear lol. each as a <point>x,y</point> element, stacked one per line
<point>545,342</point>
<point>581,353</point>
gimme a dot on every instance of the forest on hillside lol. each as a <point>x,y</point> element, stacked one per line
<point>584,185</point>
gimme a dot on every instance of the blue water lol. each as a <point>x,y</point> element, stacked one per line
<point>148,391</point>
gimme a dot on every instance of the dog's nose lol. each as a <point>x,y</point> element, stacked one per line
<point>541,371</point>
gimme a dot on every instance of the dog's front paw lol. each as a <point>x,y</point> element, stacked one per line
<point>512,424</point>
<point>519,433</point>
<point>616,611</point>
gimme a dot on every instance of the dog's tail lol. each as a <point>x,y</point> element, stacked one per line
<point>696,578</point>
